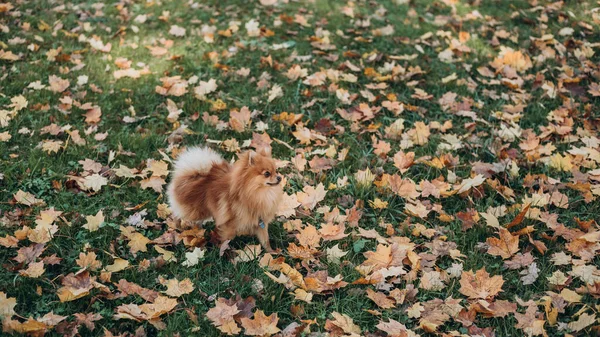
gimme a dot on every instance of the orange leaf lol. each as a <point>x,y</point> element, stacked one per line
<point>519,218</point>
<point>261,325</point>
<point>480,285</point>
<point>505,246</point>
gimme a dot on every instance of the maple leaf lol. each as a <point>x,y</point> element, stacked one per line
<point>158,168</point>
<point>88,319</point>
<point>380,299</point>
<point>480,285</point>
<point>310,196</point>
<point>137,242</point>
<point>29,254</point>
<point>529,323</point>
<point>240,120</point>
<point>7,306</point>
<point>5,136</point>
<point>221,317</point>
<point>309,237</point>
<point>205,88</point>
<point>334,254</point>
<point>342,324</point>
<point>94,222</point>
<point>192,258</point>
<point>582,322</point>
<point>303,134</point>
<point>118,265</point>
<point>88,260</point>
<point>161,305</point>
<point>403,161</point>
<point>34,270</point>
<point>469,183</point>
<point>364,178</point>
<point>9,241</point>
<point>331,232</point>
<point>28,199</point>
<point>31,327</point>
<point>95,182</point>
<point>177,288</point>
<point>405,188</point>
<point>249,253</point>
<point>514,58</point>
<point>155,183</point>
<point>177,31</point>
<point>130,288</point>
<point>394,329</point>
<point>275,92</point>
<point>530,274</point>
<point>432,281</point>
<point>75,286</point>
<point>260,325</point>
<point>58,84</point>
<point>51,146</point>
<point>505,246</point>
<point>295,72</point>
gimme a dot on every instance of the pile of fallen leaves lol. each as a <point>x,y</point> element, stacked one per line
<point>441,163</point>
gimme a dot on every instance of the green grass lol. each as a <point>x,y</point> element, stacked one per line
<point>25,166</point>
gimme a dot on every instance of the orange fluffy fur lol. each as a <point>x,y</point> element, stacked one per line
<point>237,196</point>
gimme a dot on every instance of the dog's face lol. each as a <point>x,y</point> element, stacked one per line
<point>261,169</point>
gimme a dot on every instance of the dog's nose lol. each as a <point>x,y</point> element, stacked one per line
<point>278,179</point>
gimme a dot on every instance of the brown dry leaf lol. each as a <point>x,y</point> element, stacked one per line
<point>7,306</point>
<point>161,305</point>
<point>288,205</point>
<point>309,237</point>
<point>394,328</point>
<point>480,285</point>
<point>94,222</point>
<point>240,120</point>
<point>380,299</point>
<point>513,58</point>
<point>221,317</point>
<point>34,270</point>
<point>75,286</point>
<point>58,84</point>
<point>530,323</point>
<point>177,288</point>
<point>28,199</point>
<point>95,182</point>
<point>342,324</point>
<point>505,246</point>
<point>310,196</point>
<point>155,183</point>
<point>137,243</point>
<point>118,265</point>
<point>88,260</point>
<point>519,218</point>
<point>582,322</point>
<point>260,325</point>
<point>130,288</point>
<point>88,319</point>
<point>31,327</point>
<point>92,115</point>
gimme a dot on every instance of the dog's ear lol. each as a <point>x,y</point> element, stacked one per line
<point>265,151</point>
<point>251,157</point>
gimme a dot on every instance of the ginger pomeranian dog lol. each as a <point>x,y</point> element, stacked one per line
<point>242,198</point>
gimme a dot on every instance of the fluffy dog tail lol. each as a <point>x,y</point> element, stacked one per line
<point>195,161</point>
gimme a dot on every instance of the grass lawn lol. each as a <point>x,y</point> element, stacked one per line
<point>441,164</point>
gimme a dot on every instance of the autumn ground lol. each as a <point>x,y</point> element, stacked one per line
<point>441,160</point>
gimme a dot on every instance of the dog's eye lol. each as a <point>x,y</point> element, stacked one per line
<point>267,174</point>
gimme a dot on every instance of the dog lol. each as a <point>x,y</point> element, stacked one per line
<point>242,197</point>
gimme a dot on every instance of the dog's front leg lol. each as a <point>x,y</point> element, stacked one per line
<point>262,233</point>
